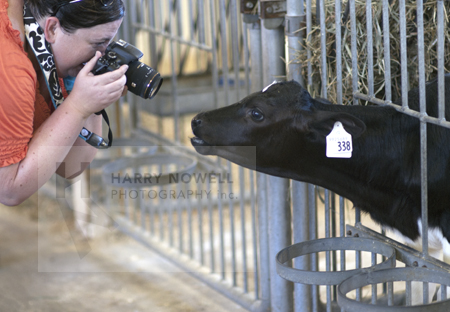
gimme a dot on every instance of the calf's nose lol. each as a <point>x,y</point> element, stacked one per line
<point>196,122</point>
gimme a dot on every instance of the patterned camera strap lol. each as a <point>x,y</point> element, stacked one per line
<point>42,51</point>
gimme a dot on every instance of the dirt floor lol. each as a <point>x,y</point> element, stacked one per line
<point>46,265</point>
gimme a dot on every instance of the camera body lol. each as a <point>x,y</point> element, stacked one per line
<point>142,80</point>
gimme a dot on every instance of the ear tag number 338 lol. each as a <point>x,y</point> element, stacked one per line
<point>339,142</point>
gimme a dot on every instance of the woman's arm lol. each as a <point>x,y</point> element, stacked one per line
<point>81,153</point>
<point>58,135</point>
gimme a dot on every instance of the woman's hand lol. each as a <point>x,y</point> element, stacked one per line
<point>92,93</point>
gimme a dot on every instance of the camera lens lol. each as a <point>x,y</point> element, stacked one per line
<point>143,80</point>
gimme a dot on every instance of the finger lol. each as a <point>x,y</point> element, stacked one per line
<point>115,75</point>
<point>89,66</point>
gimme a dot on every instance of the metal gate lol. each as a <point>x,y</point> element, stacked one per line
<point>228,225</point>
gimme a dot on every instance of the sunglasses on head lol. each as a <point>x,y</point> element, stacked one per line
<point>59,6</point>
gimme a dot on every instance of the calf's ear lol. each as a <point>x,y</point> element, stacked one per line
<point>323,122</point>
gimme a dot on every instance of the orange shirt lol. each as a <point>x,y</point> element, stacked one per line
<point>22,107</point>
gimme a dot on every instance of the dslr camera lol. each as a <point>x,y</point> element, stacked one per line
<point>142,80</point>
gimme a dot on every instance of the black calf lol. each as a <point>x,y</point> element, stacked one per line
<point>289,128</point>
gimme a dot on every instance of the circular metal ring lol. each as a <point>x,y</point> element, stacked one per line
<point>329,244</point>
<point>408,274</point>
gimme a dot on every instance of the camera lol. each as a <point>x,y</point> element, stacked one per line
<point>142,80</point>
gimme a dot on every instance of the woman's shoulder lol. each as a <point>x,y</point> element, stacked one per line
<point>11,15</point>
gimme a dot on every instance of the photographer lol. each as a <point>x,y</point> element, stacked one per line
<point>34,136</point>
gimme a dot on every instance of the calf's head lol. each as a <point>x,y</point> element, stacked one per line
<point>283,123</point>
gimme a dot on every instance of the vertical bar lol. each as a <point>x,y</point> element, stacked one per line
<point>354,50</point>
<point>369,30</point>
<point>263,226</point>
<point>215,74</point>
<point>308,32</point>
<point>232,232</point>
<point>262,285</point>
<point>189,221</point>
<point>403,54</point>
<point>302,293</point>
<point>224,51</point>
<point>312,210</point>
<point>387,51</point>
<point>323,45</point>
<point>423,137</point>
<point>278,206</point>
<point>342,230</point>
<point>233,21</point>
<point>243,233</point>
<point>408,299</point>
<point>176,112</point>
<point>221,233</point>
<point>441,58</point>
<point>254,235</point>
<point>338,42</point>
<point>312,205</point>
<point>200,206</point>
<point>211,231</point>
<point>235,46</point>
<point>327,234</point>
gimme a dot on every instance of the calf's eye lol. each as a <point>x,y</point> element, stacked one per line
<point>257,114</point>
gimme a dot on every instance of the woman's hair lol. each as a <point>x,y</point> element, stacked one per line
<point>81,14</point>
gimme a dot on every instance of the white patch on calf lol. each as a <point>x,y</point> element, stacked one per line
<point>265,89</point>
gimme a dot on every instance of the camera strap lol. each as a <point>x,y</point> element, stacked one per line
<point>44,55</point>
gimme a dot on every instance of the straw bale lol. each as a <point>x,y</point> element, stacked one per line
<point>312,42</point>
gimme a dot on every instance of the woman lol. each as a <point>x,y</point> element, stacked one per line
<point>35,139</point>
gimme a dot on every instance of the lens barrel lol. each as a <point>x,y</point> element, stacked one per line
<point>143,80</point>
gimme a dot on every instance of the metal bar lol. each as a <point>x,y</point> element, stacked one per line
<point>312,210</point>
<point>308,38</point>
<point>235,46</point>
<point>403,54</point>
<point>224,50</point>
<point>174,38</point>
<point>263,226</point>
<point>201,240</point>
<point>262,285</point>
<point>327,235</point>
<point>211,232</point>
<point>176,113</point>
<point>302,293</point>
<point>338,42</point>
<point>354,49</point>
<point>278,205</point>
<point>323,45</point>
<point>387,52</point>
<point>441,58</point>
<point>254,235</point>
<point>406,111</point>
<point>232,233</point>
<point>369,30</point>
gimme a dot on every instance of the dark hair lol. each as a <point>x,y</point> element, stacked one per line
<point>82,14</point>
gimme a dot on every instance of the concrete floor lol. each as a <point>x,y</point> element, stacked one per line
<point>44,266</point>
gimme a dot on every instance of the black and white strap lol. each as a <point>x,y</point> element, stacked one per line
<point>42,51</point>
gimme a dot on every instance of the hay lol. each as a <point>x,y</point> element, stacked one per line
<point>312,42</point>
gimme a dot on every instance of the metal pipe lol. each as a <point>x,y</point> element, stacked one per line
<point>354,49</point>
<point>295,15</point>
<point>278,204</point>
<point>403,53</point>
<point>387,51</point>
